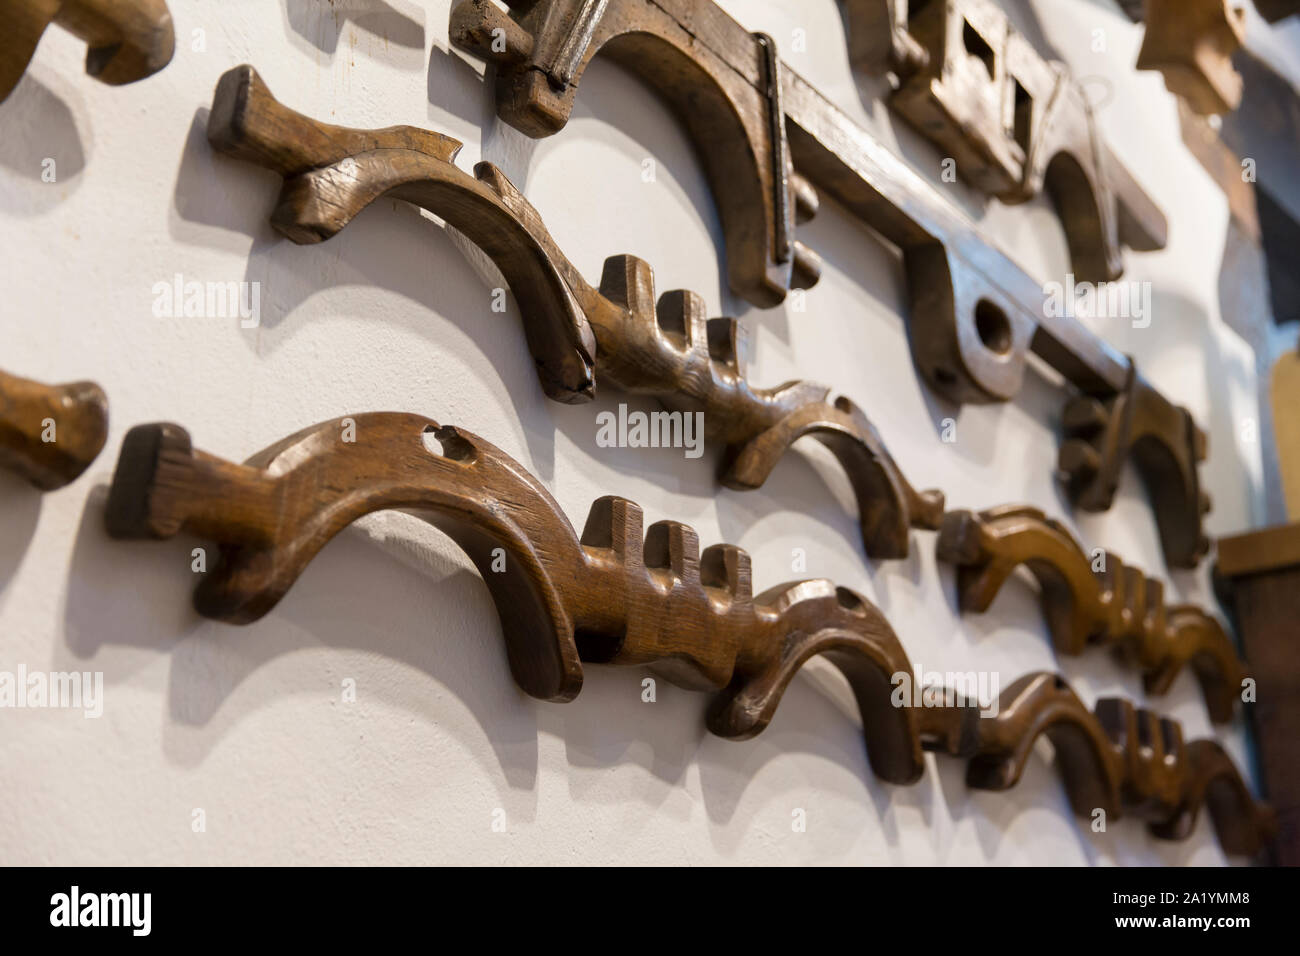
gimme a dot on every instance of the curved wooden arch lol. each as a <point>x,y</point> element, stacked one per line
<point>666,348</point>
<point>624,594</point>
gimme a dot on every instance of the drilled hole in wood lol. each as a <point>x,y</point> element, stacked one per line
<point>993,327</point>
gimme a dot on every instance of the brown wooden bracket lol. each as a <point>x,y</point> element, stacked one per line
<point>128,39</point>
<point>1119,759</point>
<point>975,315</point>
<point>49,434</point>
<point>624,595</point>
<point>1014,122</point>
<point>1091,599</point>
<point>1191,42</point>
<point>668,349</point>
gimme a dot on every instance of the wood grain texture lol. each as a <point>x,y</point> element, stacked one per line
<point>617,333</point>
<point>49,434</point>
<point>127,39</point>
<point>622,594</point>
<point>1191,43</point>
<point>1092,600</point>
<point>1015,123</point>
<point>974,315</point>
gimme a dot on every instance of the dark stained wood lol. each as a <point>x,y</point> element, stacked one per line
<point>1091,600</point>
<point>78,414</point>
<point>975,316</point>
<point>623,595</point>
<point>1259,574</point>
<point>128,39</point>
<point>1274,10</point>
<point>1014,122</point>
<point>668,349</point>
<point>1191,43</point>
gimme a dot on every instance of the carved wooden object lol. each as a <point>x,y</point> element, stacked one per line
<point>128,39</point>
<point>1191,43</point>
<point>49,434</point>
<point>975,315</point>
<point>1014,122</point>
<point>576,332</point>
<point>619,594</point>
<point>1091,599</point>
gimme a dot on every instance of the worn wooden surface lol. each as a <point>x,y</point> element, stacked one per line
<point>49,434</point>
<point>975,315</point>
<point>1261,574</point>
<point>1091,599</point>
<point>616,334</point>
<point>1191,43</point>
<point>127,39</point>
<point>623,595</point>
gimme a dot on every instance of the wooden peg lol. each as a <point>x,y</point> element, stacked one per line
<point>49,434</point>
<point>1091,600</point>
<point>127,39</point>
<point>667,348</point>
<point>624,594</point>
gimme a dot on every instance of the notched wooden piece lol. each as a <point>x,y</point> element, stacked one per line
<point>974,315</point>
<point>1091,599</point>
<point>1119,759</point>
<point>624,594</point>
<point>667,349</point>
<point>127,39</point>
<point>1014,122</point>
<point>49,434</point>
<point>620,594</point>
<point>1191,43</point>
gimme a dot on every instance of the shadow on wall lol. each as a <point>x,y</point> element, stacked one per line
<point>20,509</point>
<point>41,146</point>
<point>395,23</point>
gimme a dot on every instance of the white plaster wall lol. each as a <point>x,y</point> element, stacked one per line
<point>247,723</point>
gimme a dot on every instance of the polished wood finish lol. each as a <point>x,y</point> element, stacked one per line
<point>1259,576</point>
<point>975,315</point>
<point>1015,123</point>
<point>1284,396</point>
<point>128,39</point>
<point>1191,42</point>
<point>49,434</point>
<point>577,333</point>
<point>1091,599</point>
<point>623,595</point>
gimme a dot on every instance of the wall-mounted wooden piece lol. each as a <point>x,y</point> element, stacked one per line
<point>578,334</point>
<point>1091,599</point>
<point>128,39</point>
<point>975,315</point>
<point>1191,42</point>
<point>1259,576</point>
<point>49,434</point>
<point>625,595</point>
<point>1014,122</point>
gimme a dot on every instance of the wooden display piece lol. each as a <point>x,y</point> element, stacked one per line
<point>49,434</point>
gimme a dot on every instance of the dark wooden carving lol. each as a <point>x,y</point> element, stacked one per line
<point>1014,122</point>
<point>622,595</point>
<point>975,315</point>
<point>1191,43</point>
<point>49,434</point>
<point>577,333</point>
<point>128,39</point>
<point>1259,574</point>
<point>1091,600</point>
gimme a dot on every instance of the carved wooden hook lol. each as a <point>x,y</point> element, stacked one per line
<point>667,349</point>
<point>621,595</point>
<point>128,39</point>
<point>49,434</point>
<point>975,316</point>
<point>1191,43</point>
<point>1119,759</point>
<point>1114,605</point>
